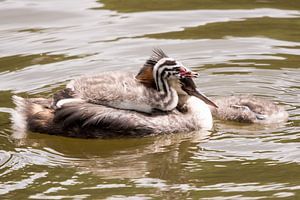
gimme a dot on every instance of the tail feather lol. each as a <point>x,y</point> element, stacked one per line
<point>19,117</point>
<point>34,114</point>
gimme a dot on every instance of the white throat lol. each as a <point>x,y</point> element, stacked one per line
<point>201,112</point>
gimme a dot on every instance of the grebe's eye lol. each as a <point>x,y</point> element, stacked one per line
<point>177,69</point>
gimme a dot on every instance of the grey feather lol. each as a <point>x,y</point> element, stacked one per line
<point>89,120</point>
<point>91,116</point>
<point>249,109</point>
<point>119,90</point>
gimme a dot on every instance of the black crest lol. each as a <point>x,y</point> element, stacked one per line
<point>156,56</point>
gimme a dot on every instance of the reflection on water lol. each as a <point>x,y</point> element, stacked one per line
<point>250,47</point>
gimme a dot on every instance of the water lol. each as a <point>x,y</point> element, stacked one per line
<point>238,48</point>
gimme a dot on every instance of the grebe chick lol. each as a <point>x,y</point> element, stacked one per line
<point>126,91</point>
<point>248,109</point>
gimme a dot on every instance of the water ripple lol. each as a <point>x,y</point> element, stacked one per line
<point>22,157</point>
<point>236,149</point>
<point>20,184</point>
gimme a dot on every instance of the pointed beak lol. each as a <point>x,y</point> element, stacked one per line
<point>190,87</point>
<point>204,98</point>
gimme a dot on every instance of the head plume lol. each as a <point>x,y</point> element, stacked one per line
<point>157,54</point>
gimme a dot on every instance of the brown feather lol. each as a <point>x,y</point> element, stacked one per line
<point>145,76</point>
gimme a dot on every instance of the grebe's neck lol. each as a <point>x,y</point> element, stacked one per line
<point>163,82</point>
<point>201,111</point>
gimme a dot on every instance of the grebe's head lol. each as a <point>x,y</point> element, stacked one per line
<point>161,67</point>
<point>169,68</point>
<point>160,64</point>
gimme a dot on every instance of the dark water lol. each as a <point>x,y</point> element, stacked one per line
<point>238,47</point>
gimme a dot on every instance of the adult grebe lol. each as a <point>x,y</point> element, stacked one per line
<point>88,120</point>
<point>86,108</point>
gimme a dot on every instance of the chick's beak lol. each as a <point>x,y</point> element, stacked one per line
<point>190,88</point>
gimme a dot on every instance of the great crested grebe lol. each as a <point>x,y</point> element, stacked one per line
<point>248,109</point>
<point>94,106</point>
